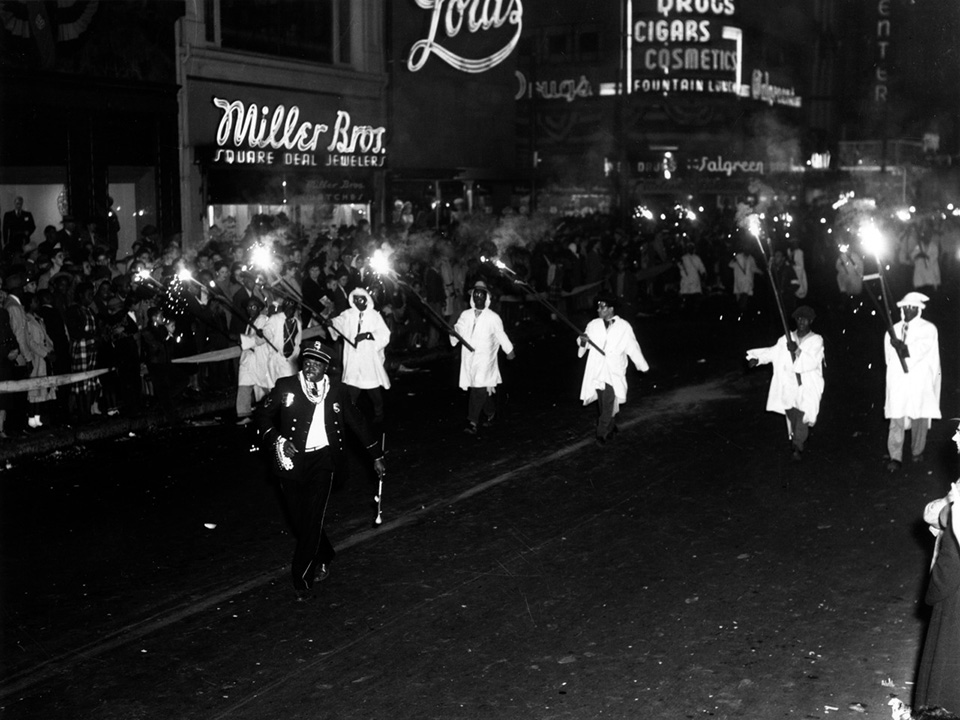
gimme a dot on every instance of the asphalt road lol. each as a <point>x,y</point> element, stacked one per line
<point>686,569</point>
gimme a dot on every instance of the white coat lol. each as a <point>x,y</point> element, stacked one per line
<point>785,393</point>
<point>279,366</point>
<point>485,333</point>
<point>744,268</point>
<point>618,343</point>
<point>254,357</point>
<point>363,365</point>
<point>691,270</point>
<point>915,394</point>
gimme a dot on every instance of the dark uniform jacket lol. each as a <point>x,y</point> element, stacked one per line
<point>287,412</point>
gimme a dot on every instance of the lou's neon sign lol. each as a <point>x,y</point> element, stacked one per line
<point>480,16</point>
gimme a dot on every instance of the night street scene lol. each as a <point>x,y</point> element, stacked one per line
<point>460,359</point>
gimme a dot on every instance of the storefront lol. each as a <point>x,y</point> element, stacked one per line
<point>312,160</point>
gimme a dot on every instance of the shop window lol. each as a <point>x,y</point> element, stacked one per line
<point>309,30</point>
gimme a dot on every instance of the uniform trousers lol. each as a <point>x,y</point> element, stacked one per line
<point>918,436</point>
<point>306,503</point>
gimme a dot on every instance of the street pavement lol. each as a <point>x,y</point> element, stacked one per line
<point>686,569</point>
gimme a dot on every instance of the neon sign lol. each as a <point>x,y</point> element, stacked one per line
<point>261,135</point>
<point>685,46</point>
<point>568,89</point>
<point>480,16</point>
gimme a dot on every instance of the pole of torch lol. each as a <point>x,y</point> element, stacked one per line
<point>776,297</point>
<point>887,315</point>
<point>547,304</point>
<point>437,316</point>
<point>543,301</point>
<point>282,288</point>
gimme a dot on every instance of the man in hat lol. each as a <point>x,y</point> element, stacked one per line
<point>18,225</point>
<point>605,374</point>
<point>363,355</point>
<point>479,369</point>
<point>913,379</point>
<point>797,383</point>
<point>301,425</point>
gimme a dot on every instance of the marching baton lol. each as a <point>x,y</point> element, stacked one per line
<point>379,495</point>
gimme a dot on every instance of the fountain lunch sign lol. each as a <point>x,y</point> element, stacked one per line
<point>476,17</point>
<point>260,135</point>
<point>685,46</point>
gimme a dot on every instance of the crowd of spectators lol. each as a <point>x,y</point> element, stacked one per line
<point>70,305</point>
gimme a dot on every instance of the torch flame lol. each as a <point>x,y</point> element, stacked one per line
<point>261,257</point>
<point>753,225</point>
<point>185,275</point>
<point>871,238</point>
<point>143,275</point>
<point>380,262</point>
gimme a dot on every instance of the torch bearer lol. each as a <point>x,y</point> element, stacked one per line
<point>872,242</point>
<point>497,263</point>
<point>753,227</point>
<point>381,265</point>
<point>262,258</point>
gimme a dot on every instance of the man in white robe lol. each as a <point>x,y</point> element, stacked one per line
<point>364,354</point>
<point>479,369</point>
<point>797,384</point>
<point>253,381</point>
<point>912,397</point>
<point>605,375</point>
<point>283,331</point>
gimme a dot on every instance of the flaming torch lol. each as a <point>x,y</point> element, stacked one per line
<point>499,264</point>
<point>380,264</point>
<point>872,240</point>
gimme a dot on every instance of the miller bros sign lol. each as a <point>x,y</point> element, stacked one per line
<point>475,16</point>
<point>260,135</point>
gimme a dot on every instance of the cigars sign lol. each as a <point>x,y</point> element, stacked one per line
<point>456,25</point>
<point>252,134</point>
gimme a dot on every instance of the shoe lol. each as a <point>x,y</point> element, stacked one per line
<point>488,420</point>
<point>244,421</point>
<point>893,466</point>
<point>303,594</point>
<point>602,440</point>
<point>323,572</point>
<point>470,429</point>
<point>918,458</point>
<point>796,456</point>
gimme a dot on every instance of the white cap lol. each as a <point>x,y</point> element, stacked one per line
<point>914,299</point>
